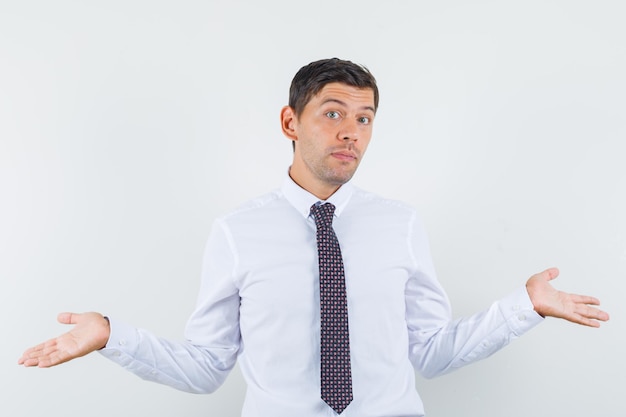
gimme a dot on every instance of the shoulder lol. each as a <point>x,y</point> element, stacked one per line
<point>367,208</point>
<point>270,208</point>
<point>257,203</point>
<point>368,201</point>
<point>389,216</point>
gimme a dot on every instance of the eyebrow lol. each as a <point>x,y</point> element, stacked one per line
<point>334,100</point>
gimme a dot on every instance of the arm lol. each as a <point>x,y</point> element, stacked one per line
<point>438,344</point>
<point>199,364</point>
<point>91,332</point>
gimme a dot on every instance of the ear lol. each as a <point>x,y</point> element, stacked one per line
<point>288,123</point>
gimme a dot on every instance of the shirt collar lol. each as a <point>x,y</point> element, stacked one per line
<point>302,200</point>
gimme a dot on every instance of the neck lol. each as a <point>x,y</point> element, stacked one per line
<point>320,190</point>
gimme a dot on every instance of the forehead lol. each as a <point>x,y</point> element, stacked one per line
<point>346,94</point>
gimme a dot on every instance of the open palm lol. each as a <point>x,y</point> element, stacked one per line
<point>550,302</point>
<point>90,332</point>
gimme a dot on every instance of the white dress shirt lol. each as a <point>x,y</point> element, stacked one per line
<point>259,304</point>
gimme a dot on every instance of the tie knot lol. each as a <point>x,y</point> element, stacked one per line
<point>323,214</point>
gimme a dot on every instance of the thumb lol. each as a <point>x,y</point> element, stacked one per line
<point>68,318</point>
<point>549,274</point>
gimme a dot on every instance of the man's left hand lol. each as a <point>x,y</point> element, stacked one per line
<point>549,302</point>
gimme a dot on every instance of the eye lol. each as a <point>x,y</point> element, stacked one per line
<point>364,120</point>
<point>332,114</point>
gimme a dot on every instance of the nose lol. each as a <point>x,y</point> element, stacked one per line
<point>348,131</point>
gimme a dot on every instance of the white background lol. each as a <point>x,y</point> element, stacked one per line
<point>126,127</point>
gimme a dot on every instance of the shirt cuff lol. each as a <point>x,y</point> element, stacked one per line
<point>519,312</point>
<point>123,339</point>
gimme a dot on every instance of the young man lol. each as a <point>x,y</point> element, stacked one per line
<point>324,293</point>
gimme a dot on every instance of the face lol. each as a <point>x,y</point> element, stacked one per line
<point>331,136</point>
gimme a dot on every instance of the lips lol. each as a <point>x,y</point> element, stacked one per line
<point>344,155</point>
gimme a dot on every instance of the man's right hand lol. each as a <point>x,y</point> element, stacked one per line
<point>91,332</point>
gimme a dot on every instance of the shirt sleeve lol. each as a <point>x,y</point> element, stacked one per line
<point>201,362</point>
<point>438,344</point>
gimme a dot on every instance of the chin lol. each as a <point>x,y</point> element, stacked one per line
<point>341,179</point>
<point>336,176</point>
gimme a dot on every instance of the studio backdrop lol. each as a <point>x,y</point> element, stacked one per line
<point>127,127</point>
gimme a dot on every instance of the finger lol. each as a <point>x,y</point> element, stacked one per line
<point>585,299</point>
<point>593,313</point>
<point>24,360</point>
<point>33,349</point>
<point>31,358</point>
<point>588,316</point>
<point>29,362</point>
<point>49,356</point>
<point>35,353</point>
<point>51,360</point>
<point>30,353</point>
<point>68,318</point>
<point>587,322</point>
<point>550,274</point>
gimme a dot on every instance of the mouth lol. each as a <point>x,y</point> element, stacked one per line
<point>344,155</point>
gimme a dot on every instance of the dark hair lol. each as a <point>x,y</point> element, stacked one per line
<point>310,79</point>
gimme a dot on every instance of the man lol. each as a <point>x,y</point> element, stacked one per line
<point>324,293</point>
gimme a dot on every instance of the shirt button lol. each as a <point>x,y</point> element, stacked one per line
<point>121,342</point>
<point>117,354</point>
<point>516,308</point>
<point>521,317</point>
